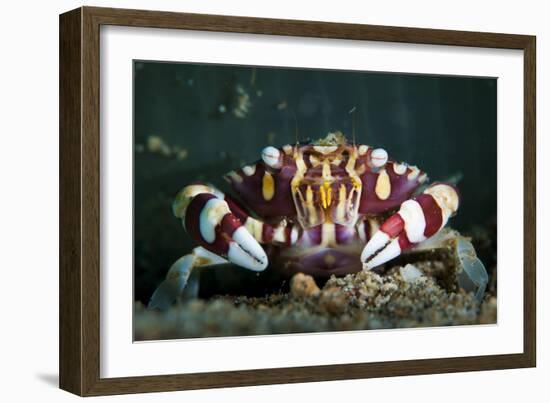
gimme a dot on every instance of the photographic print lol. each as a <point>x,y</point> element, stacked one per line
<point>253,201</point>
<point>276,200</point>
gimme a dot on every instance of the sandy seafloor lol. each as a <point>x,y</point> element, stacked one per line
<point>423,293</point>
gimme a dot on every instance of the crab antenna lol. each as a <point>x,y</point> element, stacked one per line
<point>353,122</point>
<point>295,126</point>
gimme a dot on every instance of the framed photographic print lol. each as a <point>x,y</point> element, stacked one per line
<point>250,201</point>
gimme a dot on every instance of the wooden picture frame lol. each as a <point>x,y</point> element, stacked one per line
<point>79,200</point>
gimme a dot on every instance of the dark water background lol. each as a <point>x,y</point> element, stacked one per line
<point>444,125</point>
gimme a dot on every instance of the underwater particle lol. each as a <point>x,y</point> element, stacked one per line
<point>410,273</point>
<point>190,82</point>
<point>282,105</point>
<point>154,143</point>
<point>243,104</point>
<point>157,145</point>
<point>303,286</point>
<point>182,154</point>
<point>222,108</point>
<point>259,93</point>
<point>139,148</point>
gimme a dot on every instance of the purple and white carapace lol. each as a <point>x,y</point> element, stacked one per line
<point>323,208</point>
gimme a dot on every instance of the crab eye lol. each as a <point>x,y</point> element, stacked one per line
<point>379,157</point>
<point>271,156</point>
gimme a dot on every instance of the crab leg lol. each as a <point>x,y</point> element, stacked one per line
<point>210,221</point>
<point>178,275</point>
<point>418,219</point>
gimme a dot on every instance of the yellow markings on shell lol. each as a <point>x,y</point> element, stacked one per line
<point>350,169</point>
<point>287,149</point>
<point>329,193</point>
<point>301,169</point>
<point>414,173</point>
<point>312,212</point>
<point>326,173</point>
<point>399,169</point>
<point>323,193</point>
<point>383,185</point>
<point>341,207</point>
<point>309,195</point>
<point>249,170</point>
<point>422,178</point>
<point>325,190</point>
<point>326,195</point>
<point>268,186</point>
<point>361,170</point>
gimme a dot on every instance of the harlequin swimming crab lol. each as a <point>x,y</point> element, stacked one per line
<point>326,207</point>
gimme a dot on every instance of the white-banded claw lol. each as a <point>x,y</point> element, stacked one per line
<point>246,252</point>
<point>391,251</point>
<point>377,242</point>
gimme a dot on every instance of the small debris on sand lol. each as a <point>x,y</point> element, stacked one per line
<point>410,273</point>
<point>403,297</point>
<point>303,285</point>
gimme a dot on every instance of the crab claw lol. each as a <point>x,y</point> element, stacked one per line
<point>210,222</point>
<point>417,220</point>
<point>245,251</point>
